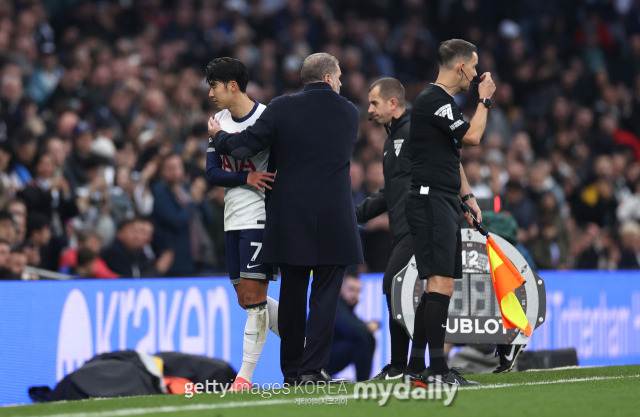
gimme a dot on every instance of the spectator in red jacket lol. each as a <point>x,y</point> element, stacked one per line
<point>87,239</point>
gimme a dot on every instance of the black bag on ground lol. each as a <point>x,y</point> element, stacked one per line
<point>197,369</point>
<point>115,374</point>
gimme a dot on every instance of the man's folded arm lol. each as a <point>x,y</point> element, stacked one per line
<point>250,141</point>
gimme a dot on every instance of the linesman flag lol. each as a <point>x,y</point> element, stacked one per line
<point>506,278</point>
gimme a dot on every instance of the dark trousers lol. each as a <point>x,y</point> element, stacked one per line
<point>358,349</point>
<point>401,254</point>
<point>296,357</point>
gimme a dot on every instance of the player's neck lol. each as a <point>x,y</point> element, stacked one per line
<point>241,107</point>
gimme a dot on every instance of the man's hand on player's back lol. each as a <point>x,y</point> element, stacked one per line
<point>261,180</point>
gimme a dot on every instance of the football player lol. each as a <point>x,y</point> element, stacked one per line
<point>245,182</point>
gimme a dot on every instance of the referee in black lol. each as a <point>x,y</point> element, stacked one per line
<point>438,183</point>
<point>387,107</point>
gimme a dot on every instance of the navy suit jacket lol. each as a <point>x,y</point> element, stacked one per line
<point>310,214</point>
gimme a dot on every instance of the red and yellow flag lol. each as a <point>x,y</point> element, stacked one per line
<point>506,278</point>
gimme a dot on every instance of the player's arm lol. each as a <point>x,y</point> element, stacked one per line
<point>218,176</point>
<point>250,141</point>
<point>468,197</point>
<point>372,206</point>
<point>479,120</point>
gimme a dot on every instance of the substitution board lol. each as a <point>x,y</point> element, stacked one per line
<point>474,313</point>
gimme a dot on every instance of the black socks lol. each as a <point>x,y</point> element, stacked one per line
<point>430,325</point>
<point>435,318</point>
<point>416,361</point>
<point>399,341</point>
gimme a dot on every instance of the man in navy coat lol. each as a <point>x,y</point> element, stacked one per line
<point>310,223</point>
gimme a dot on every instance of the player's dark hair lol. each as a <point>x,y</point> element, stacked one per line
<point>389,88</point>
<point>316,66</point>
<point>225,70</point>
<point>454,49</point>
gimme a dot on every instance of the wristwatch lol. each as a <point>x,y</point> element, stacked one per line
<point>486,102</point>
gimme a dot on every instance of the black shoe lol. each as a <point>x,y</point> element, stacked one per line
<point>410,375</point>
<point>508,355</point>
<point>389,372</point>
<point>452,377</point>
<point>321,377</point>
<point>289,380</point>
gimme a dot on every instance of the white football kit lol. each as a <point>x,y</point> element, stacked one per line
<point>243,205</point>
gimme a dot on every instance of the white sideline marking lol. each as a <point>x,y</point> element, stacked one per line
<point>173,409</point>
<point>558,381</point>
<point>198,407</point>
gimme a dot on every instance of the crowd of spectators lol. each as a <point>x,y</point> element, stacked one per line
<point>103,110</point>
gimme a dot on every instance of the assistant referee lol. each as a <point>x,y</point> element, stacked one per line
<point>438,182</point>
<point>387,107</point>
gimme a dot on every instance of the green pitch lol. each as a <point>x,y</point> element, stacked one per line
<point>580,392</point>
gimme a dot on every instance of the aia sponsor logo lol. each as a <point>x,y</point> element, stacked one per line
<point>237,165</point>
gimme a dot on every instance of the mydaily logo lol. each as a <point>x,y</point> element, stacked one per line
<point>382,392</point>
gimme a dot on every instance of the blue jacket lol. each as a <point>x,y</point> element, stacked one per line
<point>310,215</point>
<point>171,222</point>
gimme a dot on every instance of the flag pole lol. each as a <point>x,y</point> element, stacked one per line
<point>504,281</point>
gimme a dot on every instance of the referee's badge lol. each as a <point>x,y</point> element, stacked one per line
<point>397,145</point>
<point>445,111</point>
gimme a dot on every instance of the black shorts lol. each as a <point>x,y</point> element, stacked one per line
<point>434,220</point>
<point>401,253</point>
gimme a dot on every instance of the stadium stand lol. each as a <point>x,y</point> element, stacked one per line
<point>94,94</point>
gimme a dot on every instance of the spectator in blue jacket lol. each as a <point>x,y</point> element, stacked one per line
<point>178,214</point>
